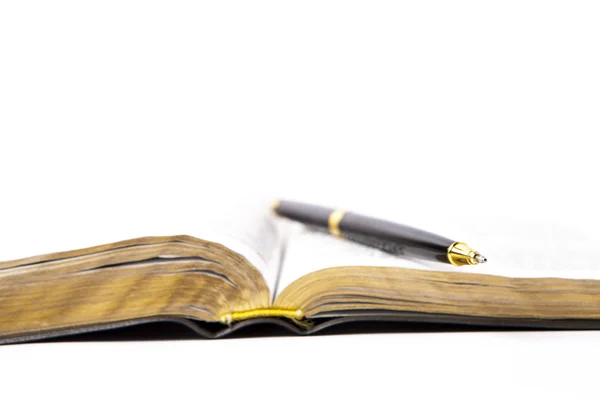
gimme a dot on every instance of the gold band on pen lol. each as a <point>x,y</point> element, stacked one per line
<point>334,222</point>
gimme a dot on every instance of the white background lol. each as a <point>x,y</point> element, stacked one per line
<point>120,110</point>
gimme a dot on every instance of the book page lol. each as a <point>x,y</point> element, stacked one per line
<point>244,227</point>
<point>515,247</point>
<point>250,231</point>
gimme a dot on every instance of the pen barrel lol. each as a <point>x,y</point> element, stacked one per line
<point>394,238</point>
<point>388,236</point>
<point>308,214</point>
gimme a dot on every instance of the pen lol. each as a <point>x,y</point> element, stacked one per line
<point>385,235</point>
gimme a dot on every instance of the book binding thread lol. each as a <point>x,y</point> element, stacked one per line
<point>261,312</point>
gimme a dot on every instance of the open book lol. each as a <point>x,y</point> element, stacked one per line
<point>256,267</point>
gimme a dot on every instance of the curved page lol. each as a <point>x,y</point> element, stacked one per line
<point>244,228</point>
<point>515,247</point>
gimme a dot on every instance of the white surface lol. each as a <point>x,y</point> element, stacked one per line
<point>473,365</point>
<point>116,110</point>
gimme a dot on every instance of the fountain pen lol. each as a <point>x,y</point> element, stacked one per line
<point>388,236</point>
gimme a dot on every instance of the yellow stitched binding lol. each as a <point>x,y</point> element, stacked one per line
<point>261,312</point>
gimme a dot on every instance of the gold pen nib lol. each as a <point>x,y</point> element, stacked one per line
<point>461,254</point>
